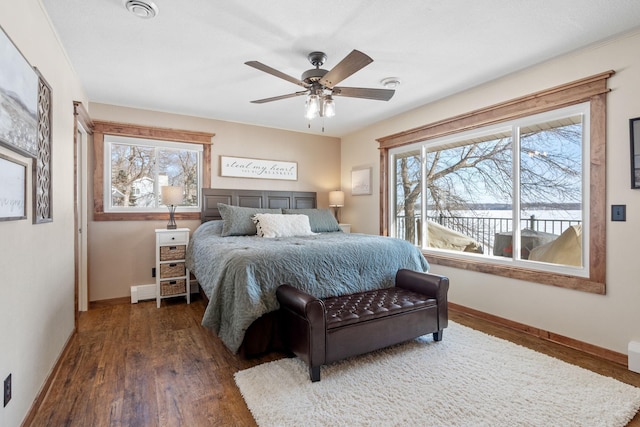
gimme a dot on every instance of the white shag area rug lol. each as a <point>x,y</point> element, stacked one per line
<point>468,379</point>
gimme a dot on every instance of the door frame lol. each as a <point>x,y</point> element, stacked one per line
<point>83,127</point>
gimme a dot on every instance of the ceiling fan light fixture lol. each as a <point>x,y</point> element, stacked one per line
<point>321,85</point>
<point>142,8</point>
<point>313,107</point>
<point>329,107</point>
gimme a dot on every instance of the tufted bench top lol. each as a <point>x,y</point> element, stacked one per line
<point>359,307</point>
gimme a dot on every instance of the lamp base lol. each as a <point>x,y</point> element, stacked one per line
<point>172,222</point>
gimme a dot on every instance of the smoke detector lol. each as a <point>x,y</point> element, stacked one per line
<point>142,8</point>
<point>390,82</point>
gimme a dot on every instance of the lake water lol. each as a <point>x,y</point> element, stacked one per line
<point>574,215</point>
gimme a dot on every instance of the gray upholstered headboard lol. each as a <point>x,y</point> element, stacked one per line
<point>253,199</point>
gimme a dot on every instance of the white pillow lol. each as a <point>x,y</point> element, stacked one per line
<point>274,225</point>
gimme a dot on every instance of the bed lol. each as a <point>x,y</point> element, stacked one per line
<point>239,271</point>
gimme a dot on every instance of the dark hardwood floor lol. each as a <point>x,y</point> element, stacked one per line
<point>136,365</point>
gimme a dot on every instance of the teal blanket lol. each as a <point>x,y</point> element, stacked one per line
<point>240,274</point>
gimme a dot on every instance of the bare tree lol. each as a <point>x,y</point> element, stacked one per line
<point>461,176</point>
<point>181,169</point>
<point>408,181</point>
<point>129,163</point>
<point>137,172</point>
<point>189,164</point>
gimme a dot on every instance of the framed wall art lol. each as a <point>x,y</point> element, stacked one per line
<point>18,100</point>
<point>634,132</point>
<point>42,188</point>
<point>13,191</point>
<point>360,181</point>
<point>241,167</point>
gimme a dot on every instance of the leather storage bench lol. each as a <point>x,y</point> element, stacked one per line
<point>321,331</point>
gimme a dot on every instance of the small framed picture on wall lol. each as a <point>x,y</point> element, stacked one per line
<point>361,181</point>
<point>13,191</point>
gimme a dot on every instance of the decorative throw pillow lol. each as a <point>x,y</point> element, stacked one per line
<point>321,220</point>
<point>237,220</point>
<point>269,225</point>
<point>210,227</point>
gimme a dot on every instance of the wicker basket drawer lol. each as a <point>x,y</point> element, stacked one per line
<point>168,253</point>
<point>173,287</point>
<point>173,269</point>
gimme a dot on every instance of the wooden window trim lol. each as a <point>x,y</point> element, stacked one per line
<point>102,128</point>
<point>591,89</point>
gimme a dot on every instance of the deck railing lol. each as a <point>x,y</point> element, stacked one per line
<point>484,230</point>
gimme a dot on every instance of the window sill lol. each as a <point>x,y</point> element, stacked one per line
<point>143,216</point>
<point>520,273</point>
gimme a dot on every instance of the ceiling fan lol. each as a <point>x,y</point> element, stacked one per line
<point>320,85</point>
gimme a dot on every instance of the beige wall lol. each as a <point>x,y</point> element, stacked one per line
<point>610,320</point>
<point>121,253</point>
<point>37,261</point>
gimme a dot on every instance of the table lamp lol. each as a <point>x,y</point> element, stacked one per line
<point>171,197</point>
<point>336,201</point>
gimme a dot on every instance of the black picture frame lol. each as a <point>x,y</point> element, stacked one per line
<point>634,135</point>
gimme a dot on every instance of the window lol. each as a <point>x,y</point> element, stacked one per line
<point>136,169</point>
<point>133,162</point>
<point>481,185</point>
<point>503,184</point>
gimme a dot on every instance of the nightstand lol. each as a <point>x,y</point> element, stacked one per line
<point>172,275</point>
<point>346,228</point>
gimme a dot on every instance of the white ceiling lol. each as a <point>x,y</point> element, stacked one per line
<point>190,58</point>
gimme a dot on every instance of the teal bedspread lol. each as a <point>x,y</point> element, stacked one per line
<point>240,274</point>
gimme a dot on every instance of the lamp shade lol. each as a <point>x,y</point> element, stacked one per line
<point>336,199</point>
<point>171,195</point>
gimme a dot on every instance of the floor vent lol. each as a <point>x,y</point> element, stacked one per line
<point>142,292</point>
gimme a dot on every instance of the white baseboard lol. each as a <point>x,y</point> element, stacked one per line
<point>634,356</point>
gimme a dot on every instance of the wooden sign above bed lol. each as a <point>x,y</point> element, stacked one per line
<point>258,168</point>
<point>254,199</point>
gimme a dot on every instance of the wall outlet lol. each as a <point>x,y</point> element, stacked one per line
<point>7,390</point>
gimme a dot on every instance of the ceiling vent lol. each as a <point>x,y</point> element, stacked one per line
<point>141,8</point>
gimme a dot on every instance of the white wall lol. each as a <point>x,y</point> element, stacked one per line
<point>121,252</point>
<point>608,321</point>
<point>37,261</point>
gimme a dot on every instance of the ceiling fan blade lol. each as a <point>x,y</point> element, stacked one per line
<point>277,98</point>
<point>260,66</point>
<point>363,92</point>
<point>353,62</point>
